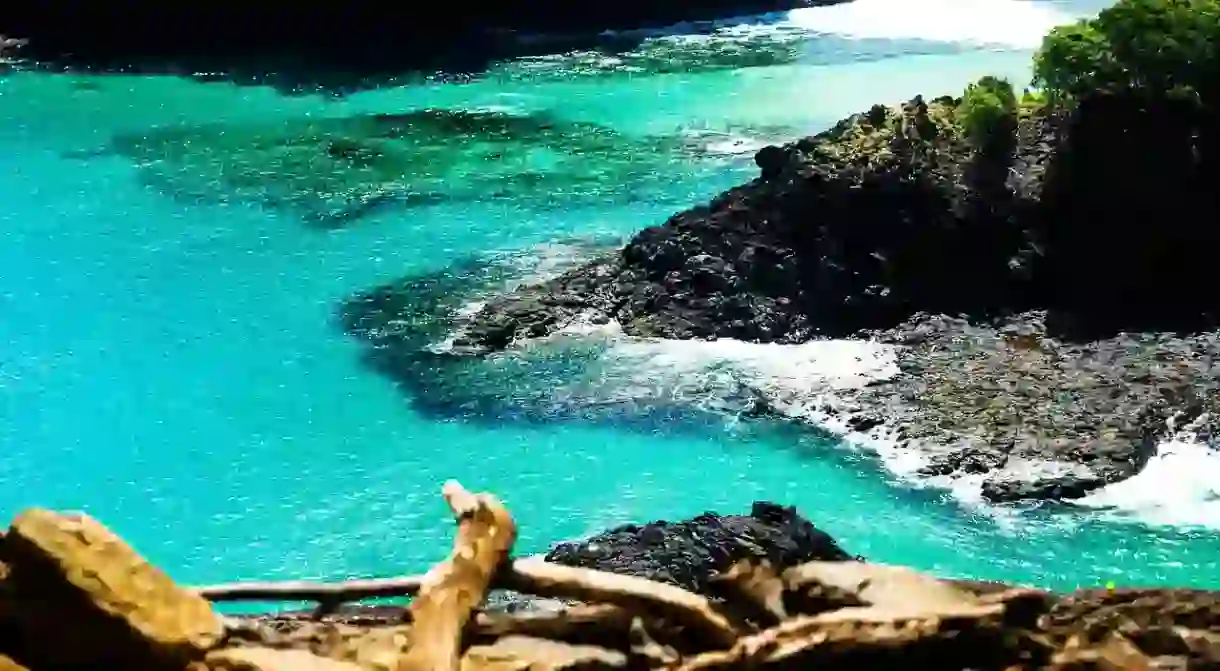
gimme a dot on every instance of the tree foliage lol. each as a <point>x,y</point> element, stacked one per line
<point>1158,47</point>
<point>988,111</point>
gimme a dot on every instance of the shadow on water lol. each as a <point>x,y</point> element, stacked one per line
<point>404,325</point>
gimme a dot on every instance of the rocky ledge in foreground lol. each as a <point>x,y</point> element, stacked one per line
<point>75,596</point>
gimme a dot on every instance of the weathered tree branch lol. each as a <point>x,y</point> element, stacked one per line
<point>581,622</point>
<point>301,590</point>
<point>846,632</point>
<point>535,576</point>
<point>452,590</point>
<point>879,585</point>
<point>757,584</point>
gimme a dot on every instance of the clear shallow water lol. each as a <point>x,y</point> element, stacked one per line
<point>173,366</point>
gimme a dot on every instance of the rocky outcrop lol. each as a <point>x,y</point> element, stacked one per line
<point>888,212</point>
<point>1039,417</point>
<point>332,43</point>
<point>1074,251</point>
<point>692,552</point>
<point>893,212</point>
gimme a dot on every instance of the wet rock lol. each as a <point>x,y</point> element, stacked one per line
<point>689,553</point>
<point>849,229</point>
<point>1060,369</point>
<point>1042,418</point>
<point>80,597</point>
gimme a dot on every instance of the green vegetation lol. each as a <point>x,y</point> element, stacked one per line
<point>988,111</point>
<point>1031,103</point>
<point>1157,47</point>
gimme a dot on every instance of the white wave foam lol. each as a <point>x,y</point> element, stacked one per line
<point>1013,23</point>
<point>813,381</point>
<point>1180,486</point>
<point>1010,23</point>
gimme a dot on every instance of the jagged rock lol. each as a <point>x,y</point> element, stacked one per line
<point>691,552</point>
<point>79,596</point>
<point>891,218</point>
<point>893,212</point>
<point>887,212</point>
<point>267,659</point>
<point>1043,418</point>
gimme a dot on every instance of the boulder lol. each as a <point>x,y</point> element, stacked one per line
<point>691,552</point>
<point>79,597</point>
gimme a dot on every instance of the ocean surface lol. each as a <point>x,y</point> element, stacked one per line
<point>171,362</point>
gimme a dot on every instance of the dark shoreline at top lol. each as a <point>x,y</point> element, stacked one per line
<point>343,47</point>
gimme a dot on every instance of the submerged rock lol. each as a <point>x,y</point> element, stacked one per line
<point>691,552</point>
<point>334,170</point>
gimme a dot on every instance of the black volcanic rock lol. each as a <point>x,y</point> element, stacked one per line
<point>888,213</point>
<point>1039,417</point>
<point>1102,216</point>
<point>1050,298</point>
<point>691,552</point>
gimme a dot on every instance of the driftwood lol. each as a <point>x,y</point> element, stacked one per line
<point>322,592</point>
<point>453,589</point>
<point>877,585</point>
<point>577,623</point>
<point>535,576</point>
<point>826,615</point>
<point>759,587</point>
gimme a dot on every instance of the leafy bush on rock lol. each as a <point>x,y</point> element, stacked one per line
<point>1157,47</point>
<point>988,111</point>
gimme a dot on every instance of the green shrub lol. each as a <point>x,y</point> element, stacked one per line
<point>1153,46</point>
<point>988,111</point>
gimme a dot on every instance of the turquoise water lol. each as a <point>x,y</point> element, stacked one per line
<point>172,365</point>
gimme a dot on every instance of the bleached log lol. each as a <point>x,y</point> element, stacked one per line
<point>534,576</point>
<point>454,588</point>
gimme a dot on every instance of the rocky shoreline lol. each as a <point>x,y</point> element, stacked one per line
<point>765,590</point>
<point>1045,285</point>
<point>873,230</point>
